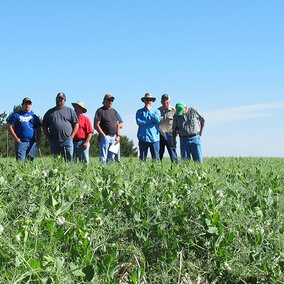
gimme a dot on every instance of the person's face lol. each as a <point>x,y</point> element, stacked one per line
<point>165,103</point>
<point>60,102</point>
<point>79,110</point>
<point>108,102</point>
<point>26,106</point>
<point>148,102</point>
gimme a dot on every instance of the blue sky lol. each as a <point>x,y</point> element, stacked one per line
<point>224,58</point>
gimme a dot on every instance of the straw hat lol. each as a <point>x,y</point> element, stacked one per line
<point>148,96</point>
<point>81,104</point>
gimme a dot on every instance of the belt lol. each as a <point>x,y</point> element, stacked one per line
<point>189,136</point>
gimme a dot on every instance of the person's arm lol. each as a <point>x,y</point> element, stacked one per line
<point>201,128</point>
<point>141,120</point>
<point>13,133</point>
<point>88,139</point>
<point>98,128</point>
<point>75,129</point>
<point>38,135</point>
<point>117,138</point>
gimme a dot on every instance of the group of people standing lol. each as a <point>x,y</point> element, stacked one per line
<point>69,131</point>
<point>158,128</point>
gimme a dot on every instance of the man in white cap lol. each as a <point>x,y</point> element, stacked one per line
<point>147,119</point>
<point>107,125</point>
<point>84,134</point>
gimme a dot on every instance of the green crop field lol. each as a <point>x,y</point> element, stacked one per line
<point>135,222</point>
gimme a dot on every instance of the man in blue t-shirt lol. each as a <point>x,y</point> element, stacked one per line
<point>25,128</point>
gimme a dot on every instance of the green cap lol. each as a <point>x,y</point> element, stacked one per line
<point>180,108</point>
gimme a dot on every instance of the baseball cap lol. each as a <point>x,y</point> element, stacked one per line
<point>61,95</point>
<point>26,100</point>
<point>108,96</point>
<point>179,108</point>
<point>165,97</point>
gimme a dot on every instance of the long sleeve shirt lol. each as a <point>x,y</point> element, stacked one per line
<point>148,124</point>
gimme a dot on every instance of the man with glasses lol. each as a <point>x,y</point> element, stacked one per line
<point>106,123</point>
<point>147,119</point>
<point>25,128</point>
<point>60,125</point>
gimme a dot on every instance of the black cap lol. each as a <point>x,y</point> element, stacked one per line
<point>61,95</point>
<point>26,100</point>
<point>165,97</point>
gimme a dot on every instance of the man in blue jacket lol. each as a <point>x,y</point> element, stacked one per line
<point>147,119</point>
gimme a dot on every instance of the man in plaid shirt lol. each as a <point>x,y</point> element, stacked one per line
<point>188,123</point>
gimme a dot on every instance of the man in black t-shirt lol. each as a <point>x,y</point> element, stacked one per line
<point>106,124</point>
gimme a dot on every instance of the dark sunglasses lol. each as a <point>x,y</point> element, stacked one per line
<point>110,100</point>
<point>148,100</point>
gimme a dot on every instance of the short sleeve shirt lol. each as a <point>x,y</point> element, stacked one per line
<point>85,127</point>
<point>59,122</point>
<point>189,123</point>
<point>167,118</point>
<point>108,120</point>
<point>25,124</point>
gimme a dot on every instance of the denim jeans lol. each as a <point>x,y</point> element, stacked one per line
<point>168,142</point>
<point>22,149</point>
<point>80,152</point>
<point>105,154</point>
<point>154,149</point>
<point>64,148</point>
<point>191,146</point>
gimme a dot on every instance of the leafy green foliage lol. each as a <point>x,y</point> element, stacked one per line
<point>139,222</point>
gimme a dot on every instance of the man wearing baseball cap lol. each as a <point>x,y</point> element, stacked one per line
<point>166,128</point>
<point>107,125</point>
<point>188,123</point>
<point>60,124</point>
<point>84,134</point>
<point>25,128</point>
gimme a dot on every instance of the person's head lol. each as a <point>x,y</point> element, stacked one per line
<point>165,101</point>
<point>148,99</point>
<point>79,108</point>
<point>180,108</point>
<point>60,100</point>
<point>26,104</point>
<point>108,101</point>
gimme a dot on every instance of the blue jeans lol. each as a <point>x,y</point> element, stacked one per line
<point>105,154</point>
<point>154,149</point>
<point>64,148</point>
<point>22,149</point>
<point>80,152</point>
<point>191,146</point>
<point>168,142</point>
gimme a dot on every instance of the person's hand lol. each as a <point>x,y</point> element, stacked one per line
<point>117,139</point>
<point>85,145</point>
<point>17,140</point>
<point>148,107</point>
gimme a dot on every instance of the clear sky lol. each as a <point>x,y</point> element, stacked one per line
<point>225,58</point>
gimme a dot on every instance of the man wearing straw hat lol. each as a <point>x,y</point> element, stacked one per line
<point>60,124</point>
<point>147,119</point>
<point>25,128</point>
<point>84,134</point>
